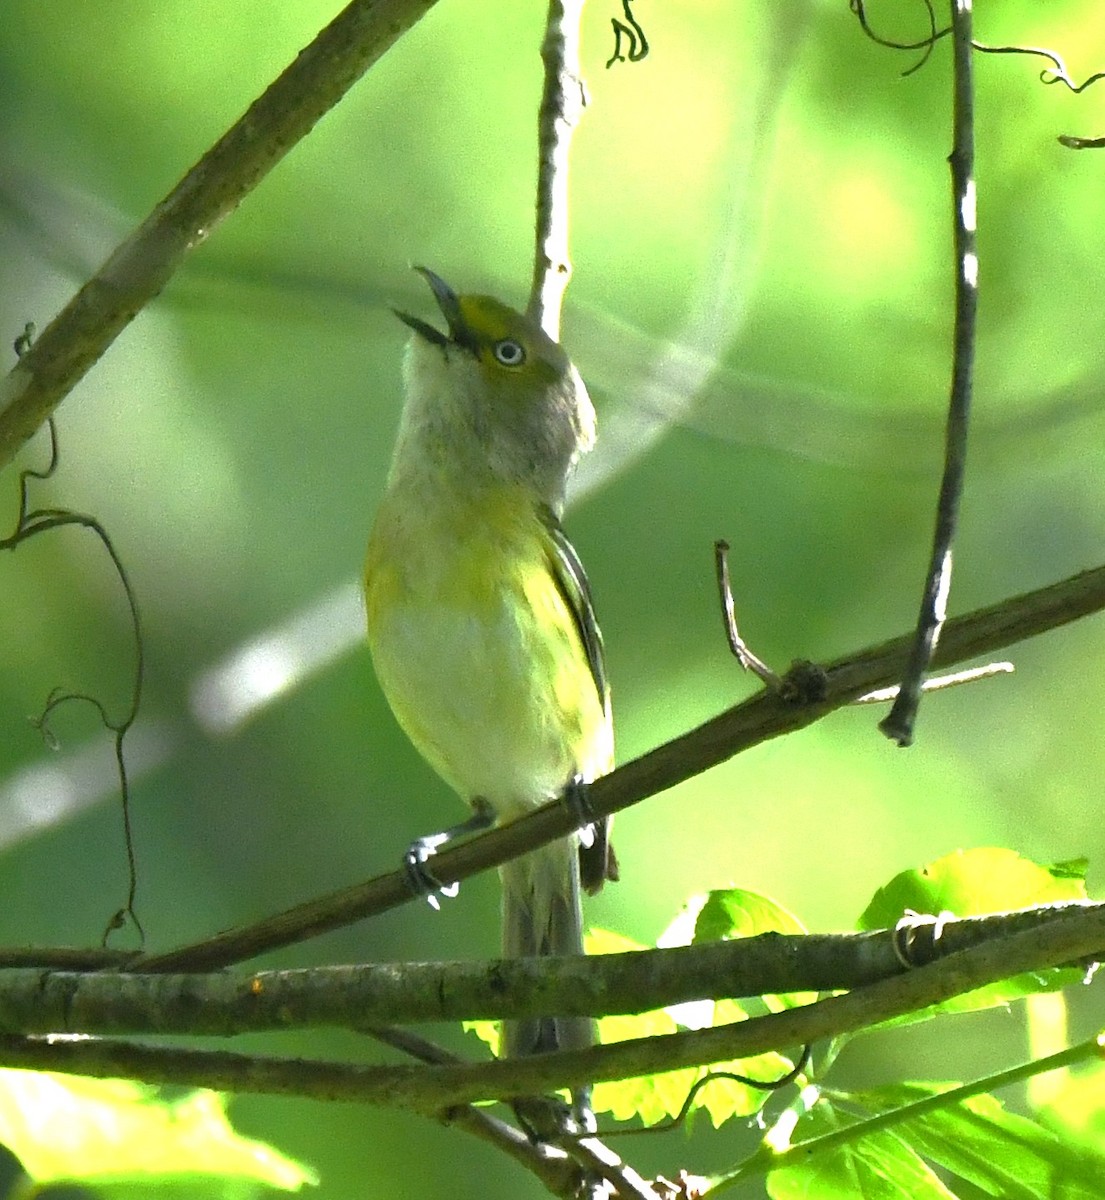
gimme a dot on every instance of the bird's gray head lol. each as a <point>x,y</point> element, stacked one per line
<point>495,393</point>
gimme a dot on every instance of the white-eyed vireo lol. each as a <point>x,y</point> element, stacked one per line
<point>479,614</point>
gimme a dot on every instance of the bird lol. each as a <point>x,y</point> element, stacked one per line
<point>481,624</point>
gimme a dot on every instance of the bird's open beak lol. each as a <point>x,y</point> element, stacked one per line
<point>450,308</point>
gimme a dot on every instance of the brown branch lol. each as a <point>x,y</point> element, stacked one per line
<point>429,1089</point>
<point>141,265</point>
<point>766,715</point>
<point>558,1172</point>
<point>372,996</point>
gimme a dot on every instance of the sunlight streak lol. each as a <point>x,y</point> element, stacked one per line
<point>279,659</point>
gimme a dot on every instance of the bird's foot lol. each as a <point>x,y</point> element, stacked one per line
<point>420,879</point>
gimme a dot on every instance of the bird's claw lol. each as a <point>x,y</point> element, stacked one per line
<point>420,879</point>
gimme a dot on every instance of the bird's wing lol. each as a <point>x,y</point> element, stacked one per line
<point>571,579</point>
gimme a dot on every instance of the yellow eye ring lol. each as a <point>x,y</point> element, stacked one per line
<point>509,353</point>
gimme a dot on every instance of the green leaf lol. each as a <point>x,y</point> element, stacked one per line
<point>878,1166</point>
<point>736,912</point>
<point>654,1098</point>
<point>730,913</point>
<point>1003,1154</point>
<point>973,883</point>
<point>62,1127</point>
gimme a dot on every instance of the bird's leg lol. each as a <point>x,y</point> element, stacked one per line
<point>576,798</point>
<point>597,860</point>
<point>420,878</point>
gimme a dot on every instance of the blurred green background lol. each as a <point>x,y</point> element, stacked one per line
<point>761,306</point>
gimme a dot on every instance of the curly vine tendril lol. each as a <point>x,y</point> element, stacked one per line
<point>1056,73</point>
<point>29,523</point>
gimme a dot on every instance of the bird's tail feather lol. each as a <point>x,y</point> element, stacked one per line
<point>542,916</point>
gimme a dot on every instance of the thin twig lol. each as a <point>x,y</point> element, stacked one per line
<point>1057,74</point>
<point>142,264</point>
<point>737,644</point>
<point>549,1163</point>
<point>562,103</point>
<point>749,661</point>
<point>759,719</point>
<point>1073,142</point>
<point>898,724</point>
<point>940,683</point>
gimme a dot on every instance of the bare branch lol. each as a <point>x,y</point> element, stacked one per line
<point>371,996</point>
<point>562,104</point>
<point>899,722</point>
<point>429,1089</point>
<point>141,265</point>
<point>550,1164</point>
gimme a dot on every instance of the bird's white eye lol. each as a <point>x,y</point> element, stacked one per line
<point>510,353</point>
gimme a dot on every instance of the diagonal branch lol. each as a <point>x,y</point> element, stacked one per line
<point>141,265</point>
<point>766,715</point>
<point>559,1173</point>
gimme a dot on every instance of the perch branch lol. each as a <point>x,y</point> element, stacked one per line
<point>762,717</point>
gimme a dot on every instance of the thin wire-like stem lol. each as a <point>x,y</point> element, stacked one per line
<point>562,102</point>
<point>899,723</point>
<point>801,1152</point>
<point>29,523</point>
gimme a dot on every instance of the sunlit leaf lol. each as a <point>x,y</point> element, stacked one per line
<point>973,883</point>
<point>879,1166</point>
<point>114,1130</point>
<point>737,912</point>
<point>656,1097</point>
<point>1004,1154</point>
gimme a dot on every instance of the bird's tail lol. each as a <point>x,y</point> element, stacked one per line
<point>542,916</point>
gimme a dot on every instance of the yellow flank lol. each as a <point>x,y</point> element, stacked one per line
<point>476,648</point>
